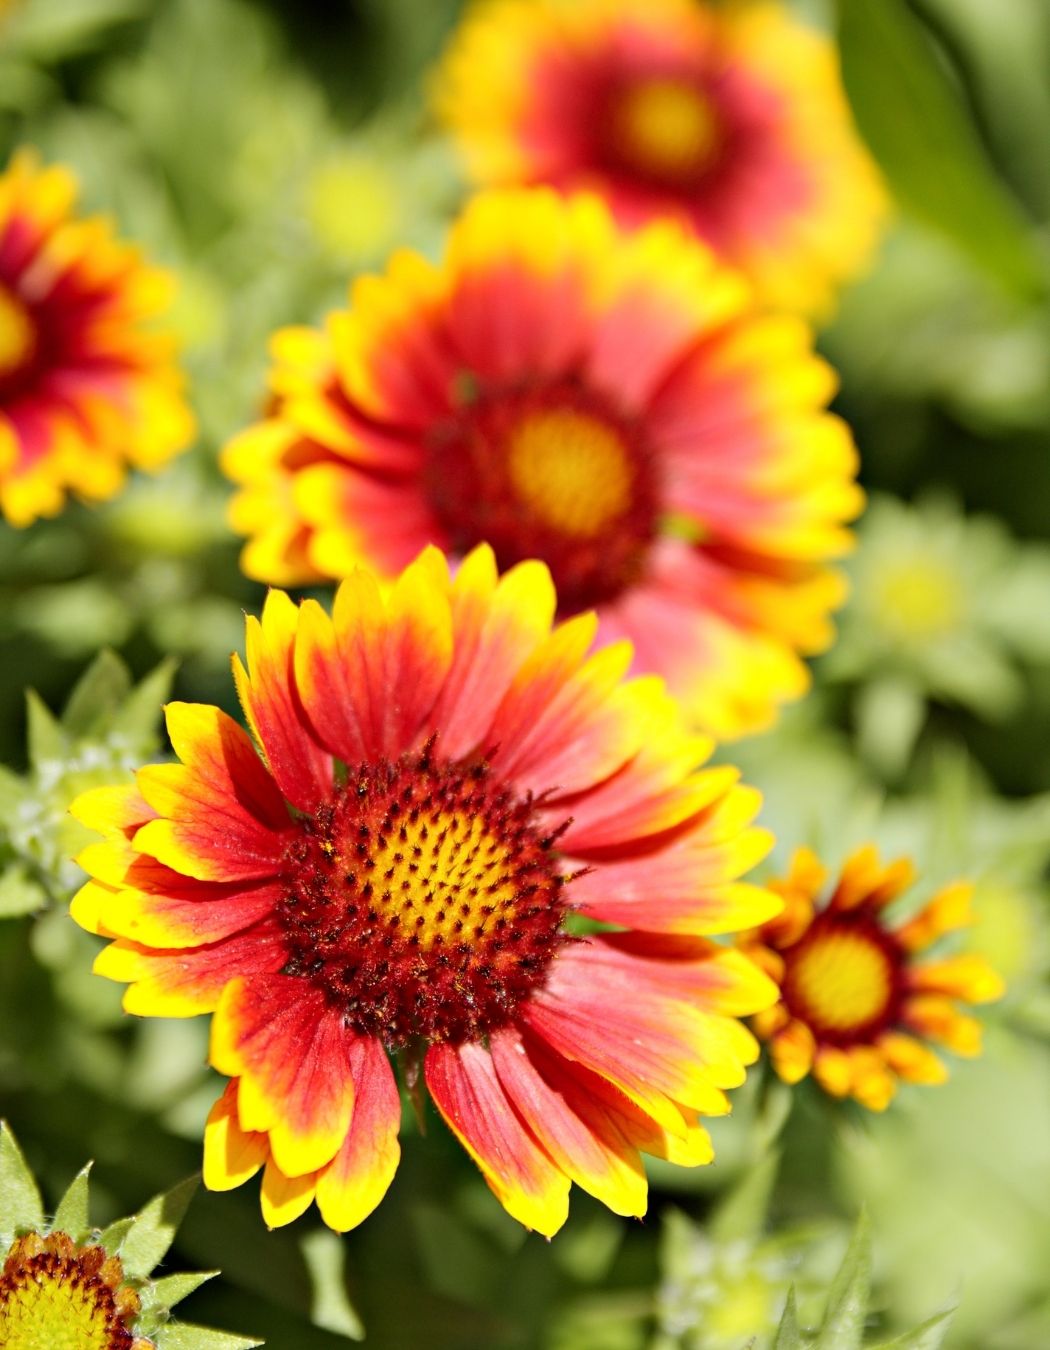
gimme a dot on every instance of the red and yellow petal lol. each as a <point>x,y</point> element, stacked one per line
<point>463,1083</point>
<point>231,1155</point>
<point>290,1051</point>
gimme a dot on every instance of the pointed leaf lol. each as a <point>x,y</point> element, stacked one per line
<point>843,1327</point>
<point>912,117</point>
<point>153,1230</point>
<point>97,694</point>
<point>114,1235</point>
<point>185,1337</point>
<point>71,1216</point>
<point>789,1337</point>
<point>138,717</point>
<point>20,892</point>
<point>47,740</point>
<point>21,1208</point>
<point>173,1289</point>
<point>742,1213</point>
<point>930,1336</point>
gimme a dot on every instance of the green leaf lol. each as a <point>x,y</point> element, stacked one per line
<point>330,1307</point>
<point>21,1208</point>
<point>97,695</point>
<point>153,1230</point>
<point>843,1326</point>
<point>47,740</point>
<point>71,1216</point>
<point>173,1289</point>
<point>13,792</point>
<point>913,119</point>
<point>139,716</point>
<point>930,1336</point>
<point>114,1235</point>
<point>789,1337</point>
<point>185,1337</point>
<point>20,893</point>
<point>742,1213</point>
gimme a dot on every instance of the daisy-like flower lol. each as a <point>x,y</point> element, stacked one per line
<point>609,403</point>
<point>88,384</point>
<point>446,783</point>
<point>730,118</point>
<point>860,997</point>
<point>68,1286</point>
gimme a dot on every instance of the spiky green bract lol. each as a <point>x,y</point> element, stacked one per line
<point>140,1241</point>
<point>105,730</point>
<point>845,1316</point>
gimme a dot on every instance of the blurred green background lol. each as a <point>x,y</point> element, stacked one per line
<point>269,152</point>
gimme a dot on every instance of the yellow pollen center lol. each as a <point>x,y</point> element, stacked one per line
<point>570,470</point>
<point>17,336</point>
<point>919,598</point>
<point>55,1311</point>
<point>666,127</point>
<point>843,979</point>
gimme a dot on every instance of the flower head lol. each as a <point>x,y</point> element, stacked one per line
<point>446,783</point>
<point>858,998</point>
<point>731,119</point>
<point>87,385</point>
<point>67,1286</point>
<point>611,404</point>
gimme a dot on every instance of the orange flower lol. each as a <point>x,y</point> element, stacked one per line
<point>612,404</point>
<point>87,385</point>
<point>857,1004</point>
<point>446,781</point>
<point>730,118</point>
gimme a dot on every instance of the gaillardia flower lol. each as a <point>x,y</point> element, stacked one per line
<point>88,385</point>
<point>446,784</point>
<point>859,996</point>
<point>609,403</point>
<point>68,1286</point>
<point>730,118</point>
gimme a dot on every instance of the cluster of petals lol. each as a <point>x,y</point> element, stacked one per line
<point>88,382</point>
<point>730,118</point>
<point>224,894</point>
<point>861,997</point>
<point>612,403</point>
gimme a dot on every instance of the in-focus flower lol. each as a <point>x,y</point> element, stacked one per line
<point>860,996</point>
<point>67,1286</point>
<point>732,119</point>
<point>612,404</point>
<point>447,782</point>
<point>88,384</point>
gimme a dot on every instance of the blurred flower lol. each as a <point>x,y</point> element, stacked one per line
<point>731,119</point>
<point>855,996</point>
<point>612,404</point>
<point>86,386</point>
<point>942,605</point>
<point>68,1285</point>
<point>410,896</point>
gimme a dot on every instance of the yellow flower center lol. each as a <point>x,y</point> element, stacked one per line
<point>838,979</point>
<point>425,899</point>
<point>570,470</point>
<point>919,598</point>
<point>665,127</point>
<point>57,1296</point>
<point>17,333</point>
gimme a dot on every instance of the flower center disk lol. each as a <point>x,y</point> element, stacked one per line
<point>424,900</point>
<point>841,980</point>
<point>664,128</point>
<point>56,1296</point>
<point>551,473</point>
